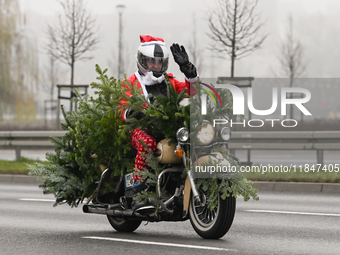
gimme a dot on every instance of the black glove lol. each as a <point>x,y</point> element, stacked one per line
<point>131,113</point>
<point>182,59</point>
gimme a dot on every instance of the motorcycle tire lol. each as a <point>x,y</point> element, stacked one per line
<point>123,225</point>
<point>212,224</point>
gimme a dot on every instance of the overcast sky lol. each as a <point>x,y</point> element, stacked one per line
<point>316,24</point>
<point>50,7</point>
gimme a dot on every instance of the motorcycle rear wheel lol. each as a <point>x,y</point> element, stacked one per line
<point>123,225</point>
<point>212,224</point>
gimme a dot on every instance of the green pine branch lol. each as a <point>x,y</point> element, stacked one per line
<point>97,127</point>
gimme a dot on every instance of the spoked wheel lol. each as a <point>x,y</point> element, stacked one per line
<point>123,225</point>
<point>212,224</point>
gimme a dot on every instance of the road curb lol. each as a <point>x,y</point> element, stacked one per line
<point>309,187</point>
<point>17,178</point>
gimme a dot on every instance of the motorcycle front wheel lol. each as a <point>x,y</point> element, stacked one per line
<point>123,224</point>
<point>212,224</point>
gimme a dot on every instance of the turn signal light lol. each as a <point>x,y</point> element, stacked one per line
<point>179,152</point>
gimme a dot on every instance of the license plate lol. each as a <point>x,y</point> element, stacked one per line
<point>129,180</point>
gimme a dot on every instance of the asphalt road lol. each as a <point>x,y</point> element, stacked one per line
<point>280,223</point>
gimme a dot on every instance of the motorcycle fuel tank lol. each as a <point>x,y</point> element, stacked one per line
<point>166,153</point>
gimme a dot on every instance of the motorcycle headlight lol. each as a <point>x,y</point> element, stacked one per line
<point>225,133</point>
<point>206,134</point>
<point>182,134</point>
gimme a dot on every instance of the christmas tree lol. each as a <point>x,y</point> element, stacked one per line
<point>96,127</point>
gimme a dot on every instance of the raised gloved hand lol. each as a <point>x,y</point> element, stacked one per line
<point>180,55</point>
<point>182,59</point>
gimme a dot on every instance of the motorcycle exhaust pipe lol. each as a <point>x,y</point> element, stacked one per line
<point>119,213</point>
<point>99,209</point>
<point>94,209</point>
<point>107,210</point>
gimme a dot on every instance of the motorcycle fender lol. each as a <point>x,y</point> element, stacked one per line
<point>186,197</point>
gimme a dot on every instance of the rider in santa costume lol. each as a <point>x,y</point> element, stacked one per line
<point>152,63</point>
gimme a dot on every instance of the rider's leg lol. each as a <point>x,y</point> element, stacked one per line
<point>150,142</point>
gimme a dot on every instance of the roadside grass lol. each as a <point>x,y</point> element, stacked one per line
<point>312,173</point>
<point>17,166</point>
<point>329,174</point>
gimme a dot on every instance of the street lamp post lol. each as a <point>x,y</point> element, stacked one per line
<point>120,9</point>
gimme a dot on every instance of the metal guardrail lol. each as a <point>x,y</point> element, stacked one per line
<point>19,140</point>
<point>299,140</point>
<point>277,140</point>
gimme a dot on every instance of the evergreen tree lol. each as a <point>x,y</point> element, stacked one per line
<point>97,128</point>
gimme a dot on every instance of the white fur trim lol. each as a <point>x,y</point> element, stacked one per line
<point>145,92</point>
<point>153,42</point>
<point>192,79</point>
<point>149,80</point>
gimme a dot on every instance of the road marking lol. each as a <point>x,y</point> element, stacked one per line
<point>297,213</point>
<point>158,243</point>
<point>36,200</point>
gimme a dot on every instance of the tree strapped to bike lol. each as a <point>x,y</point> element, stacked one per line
<point>95,162</point>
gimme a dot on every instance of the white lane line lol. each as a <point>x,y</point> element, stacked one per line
<point>297,213</point>
<point>36,200</point>
<point>158,243</point>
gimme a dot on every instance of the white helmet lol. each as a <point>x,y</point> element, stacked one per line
<point>152,56</point>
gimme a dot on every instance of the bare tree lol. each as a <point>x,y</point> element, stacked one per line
<point>52,74</point>
<point>18,64</point>
<point>128,66</point>
<point>196,53</point>
<point>8,22</point>
<point>74,36</point>
<point>50,79</point>
<point>291,57</point>
<point>234,29</point>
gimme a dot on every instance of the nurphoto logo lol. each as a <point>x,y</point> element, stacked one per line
<point>239,104</point>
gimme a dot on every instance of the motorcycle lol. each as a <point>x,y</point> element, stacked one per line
<point>179,197</point>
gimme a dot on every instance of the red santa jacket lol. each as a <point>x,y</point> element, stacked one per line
<point>135,80</point>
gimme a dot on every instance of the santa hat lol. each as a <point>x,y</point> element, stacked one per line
<point>149,40</point>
